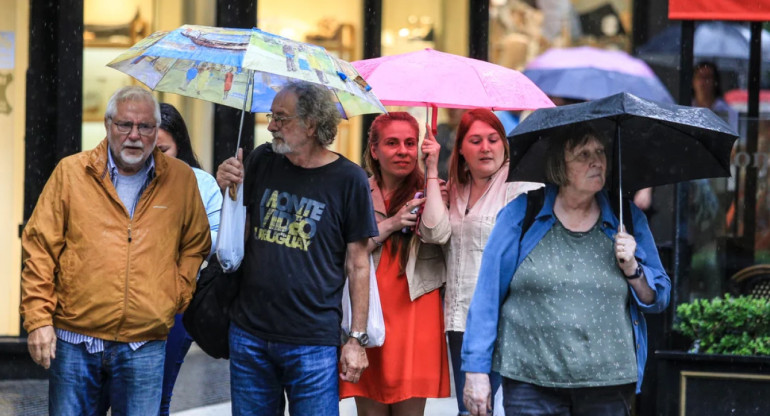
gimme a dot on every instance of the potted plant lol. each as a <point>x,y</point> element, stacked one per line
<point>727,325</point>
<point>727,370</point>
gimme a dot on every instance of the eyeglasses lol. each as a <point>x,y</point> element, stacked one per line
<point>279,120</point>
<point>126,127</point>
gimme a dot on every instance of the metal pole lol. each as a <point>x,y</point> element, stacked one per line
<point>247,103</point>
<point>681,197</point>
<point>752,133</point>
<point>620,177</point>
<point>478,29</point>
<point>372,49</point>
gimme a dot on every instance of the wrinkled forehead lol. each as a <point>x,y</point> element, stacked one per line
<point>135,109</point>
<point>285,102</point>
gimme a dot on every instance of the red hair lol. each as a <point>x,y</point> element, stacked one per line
<point>410,185</point>
<point>457,167</point>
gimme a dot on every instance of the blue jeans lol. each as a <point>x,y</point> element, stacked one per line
<point>260,371</point>
<point>521,399</point>
<point>130,381</point>
<point>455,348</point>
<point>177,345</point>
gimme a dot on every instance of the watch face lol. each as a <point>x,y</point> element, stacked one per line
<point>363,340</point>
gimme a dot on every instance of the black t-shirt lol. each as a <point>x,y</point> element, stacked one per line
<point>294,262</point>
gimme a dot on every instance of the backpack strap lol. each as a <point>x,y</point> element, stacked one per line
<point>535,201</point>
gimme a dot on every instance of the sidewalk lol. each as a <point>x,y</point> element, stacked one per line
<point>202,389</point>
<point>435,407</point>
<point>208,379</point>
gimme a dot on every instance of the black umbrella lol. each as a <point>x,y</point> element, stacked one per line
<point>660,143</point>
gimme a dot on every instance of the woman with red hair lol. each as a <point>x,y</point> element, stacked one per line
<point>478,169</point>
<point>412,364</point>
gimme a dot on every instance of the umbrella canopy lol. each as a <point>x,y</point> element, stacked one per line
<point>241,68</point>
<point>588,73</point>
<point>725,43</point>
<point>656,143</point>
<point>439,79</point>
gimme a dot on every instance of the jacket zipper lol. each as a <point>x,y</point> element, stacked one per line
<point>125,284</point>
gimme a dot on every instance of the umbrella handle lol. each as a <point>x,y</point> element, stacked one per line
<point>232,190</point>
<point>434,120</point>
<point>620,229</point>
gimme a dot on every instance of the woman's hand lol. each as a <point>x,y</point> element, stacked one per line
<point>625,249</point>
<point>477,394</point>
<point>404,217</point>
<point>430,150</point>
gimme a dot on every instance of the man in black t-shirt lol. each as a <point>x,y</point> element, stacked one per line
<point>309,216</point>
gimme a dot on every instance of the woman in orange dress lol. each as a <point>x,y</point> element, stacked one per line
<point>412,364</point>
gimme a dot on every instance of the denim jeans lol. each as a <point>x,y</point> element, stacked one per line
<point>130,381</point>
<point>521,399</point>
<point>455,347</point>
<point>260,371</point>
<point>177,345</point>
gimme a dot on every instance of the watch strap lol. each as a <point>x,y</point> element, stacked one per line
<point>637,273</point>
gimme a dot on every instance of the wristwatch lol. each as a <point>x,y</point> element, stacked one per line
<point>361,337</point>
<point>637,273</point>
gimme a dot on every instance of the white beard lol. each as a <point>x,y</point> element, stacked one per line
<point>130,159</point>
<point>280,147</point>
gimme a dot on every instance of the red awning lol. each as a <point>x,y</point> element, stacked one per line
<point>754,10</point>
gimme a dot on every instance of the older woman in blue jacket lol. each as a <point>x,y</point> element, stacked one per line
<point>558,312</point>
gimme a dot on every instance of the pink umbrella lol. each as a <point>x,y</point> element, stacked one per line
<point>439,79</point>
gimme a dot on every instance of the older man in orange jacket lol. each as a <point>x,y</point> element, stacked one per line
<point>110,254</point>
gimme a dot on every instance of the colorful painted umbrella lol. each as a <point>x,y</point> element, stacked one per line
<point>587,73</point>
<point>241,68</point>
<point>438,79</point>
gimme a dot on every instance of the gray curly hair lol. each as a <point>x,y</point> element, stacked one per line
<point>316,103</point>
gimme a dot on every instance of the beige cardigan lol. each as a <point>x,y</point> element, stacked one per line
<point>464,236</point>
<point>425,267</point>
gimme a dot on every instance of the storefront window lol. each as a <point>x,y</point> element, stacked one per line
<point>335,25</point>
<point>726,233</point>
<point>14,46</point>
<point>109,29</point>
<point>410,26</point>
<point>520,30</point>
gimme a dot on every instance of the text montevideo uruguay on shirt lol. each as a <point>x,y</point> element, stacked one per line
<point>288,219</point>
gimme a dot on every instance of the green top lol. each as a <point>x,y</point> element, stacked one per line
<point>565,322</point>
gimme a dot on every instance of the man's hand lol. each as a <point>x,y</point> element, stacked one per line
<point>353,361</point>
<point>42,345</point>
<point>230,172</point>
<point>477,394</point>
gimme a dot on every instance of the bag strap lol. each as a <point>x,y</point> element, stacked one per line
<point>535,201</point>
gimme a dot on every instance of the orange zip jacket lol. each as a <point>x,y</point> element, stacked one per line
<point>90,268</point>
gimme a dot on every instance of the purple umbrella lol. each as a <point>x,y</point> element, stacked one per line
<point>587,73</point>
